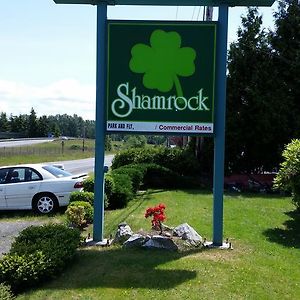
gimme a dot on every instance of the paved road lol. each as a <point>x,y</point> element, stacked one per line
<point>25,142</point>
<point>83,165</point>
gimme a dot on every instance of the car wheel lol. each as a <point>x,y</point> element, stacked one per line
<point>44,204</point>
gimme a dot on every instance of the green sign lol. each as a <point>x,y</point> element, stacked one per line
<point>173,2</point>
<point>161,76</point>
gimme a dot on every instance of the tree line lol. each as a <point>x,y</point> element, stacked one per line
<point>31,126</point>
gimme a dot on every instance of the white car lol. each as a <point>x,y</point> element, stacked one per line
<point>40,187</point>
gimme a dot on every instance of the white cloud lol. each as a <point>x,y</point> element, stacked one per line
<point>67,96</point>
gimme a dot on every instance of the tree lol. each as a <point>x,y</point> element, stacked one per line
<point>18,123</point>
<point>4,125</point>
<point>32,127</point>
<point>285,42</point>
<point>253,107</point>
<point>44,128</point>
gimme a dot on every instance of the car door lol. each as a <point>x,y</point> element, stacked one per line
<point>22,184</point>
<point>3,177</point>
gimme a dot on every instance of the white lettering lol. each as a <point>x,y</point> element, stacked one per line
<point>121,102</point>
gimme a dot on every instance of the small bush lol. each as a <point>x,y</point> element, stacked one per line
<point>118,188</point>
<point>80,213</point>
<point>88,184</point>
<point>5,292</point>
<point>288,177</point>
<point>82,196</point>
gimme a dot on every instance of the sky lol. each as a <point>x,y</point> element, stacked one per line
<point>48,52</point>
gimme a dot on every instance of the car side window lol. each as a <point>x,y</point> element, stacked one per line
<point>3,175</point>
<point>32,175</point>
<point>16,175</point>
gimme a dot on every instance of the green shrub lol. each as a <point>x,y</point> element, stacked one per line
<point>22,271</point>
<point>76,216</point>
<point>57,242</point>
<point>39,252</point>
<point>88,184</point>
<point>82,196</point>
<point>288,177</point>
<point>180,161</point>
<point>118,188</point>
<point>135,173</point>
<point>161,177</point>
<point>5,292</point>
<point>86,215</point>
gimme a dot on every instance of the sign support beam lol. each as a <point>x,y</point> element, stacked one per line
<point>100,124</point>
<point>220,110</point>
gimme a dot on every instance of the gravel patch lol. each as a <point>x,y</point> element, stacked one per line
<point>11,229</point>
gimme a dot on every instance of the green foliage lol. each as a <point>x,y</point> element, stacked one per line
<point>23,271</point>
<point>82,196</point>
<point>177,160</point>
<point>5,292</point>
<point>156,176</point>
<point>32,126</point>
<point>118,189</point>
<point>75,147</point>
<point>88,184</point>
<point>135,141</point>
<point>80,213</point>
<point>253,130</point>
<point>39,252</point>
<point>135,173</point>
<point>56,241</point>
<point>108,144</point>
<point>288,177</point>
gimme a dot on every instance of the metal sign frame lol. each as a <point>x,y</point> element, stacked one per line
<point>220,107</point>
<point>171,2</point>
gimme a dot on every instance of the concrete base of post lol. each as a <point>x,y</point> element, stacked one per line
<point>225,246</point>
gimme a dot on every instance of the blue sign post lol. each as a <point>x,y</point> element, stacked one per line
<point>220,107</point>
<point>220,111</point>
<point>100,122</point>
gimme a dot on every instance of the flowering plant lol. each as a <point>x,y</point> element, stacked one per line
<point>158,215</point>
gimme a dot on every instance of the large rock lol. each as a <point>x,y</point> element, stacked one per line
<point>188,233</point>
<point>161,242</point>
<point>136,240</point>
<point>124,232</point>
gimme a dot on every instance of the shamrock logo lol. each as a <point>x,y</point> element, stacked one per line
<point>163,61</point>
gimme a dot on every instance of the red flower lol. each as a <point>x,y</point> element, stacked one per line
<point>157,213</point>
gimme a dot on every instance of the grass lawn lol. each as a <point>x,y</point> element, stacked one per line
<point>264,264</point>
<point>44,152</point>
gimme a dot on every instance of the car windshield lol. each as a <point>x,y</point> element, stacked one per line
<point>57,172</point>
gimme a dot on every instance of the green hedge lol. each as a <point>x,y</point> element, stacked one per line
<point>118,189</point>
<point>182,162</point>
<point>82,196</point>
<point>135,173</point>
<point>88,185</point>
<point>39,252</point>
